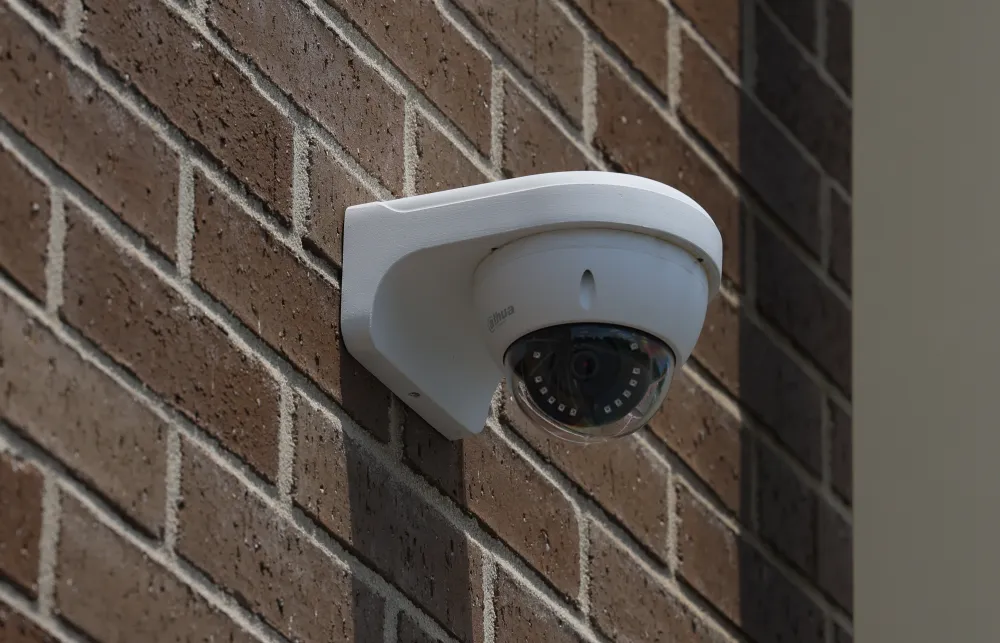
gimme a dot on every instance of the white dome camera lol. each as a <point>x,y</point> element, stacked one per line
<point>586,290</point>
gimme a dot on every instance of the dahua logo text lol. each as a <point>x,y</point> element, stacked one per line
<point>499,317</point>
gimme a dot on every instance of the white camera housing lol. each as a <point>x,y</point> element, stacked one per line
<point>436,288</point>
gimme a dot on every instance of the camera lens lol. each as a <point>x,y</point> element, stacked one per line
<point>589,382</point>
<point>584,365</point>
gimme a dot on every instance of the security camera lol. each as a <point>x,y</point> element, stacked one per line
<point>584,291</point>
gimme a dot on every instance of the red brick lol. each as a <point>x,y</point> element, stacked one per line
<point>24,217</point>
<point>520,616</point>
<point>768,382</point>
<point>537,522</point>
<point>787,512</point>
<point>428,49</point>
<point>541,40</point>
<point>21,527</point>
<point>402,537</point>
<point>750,143</point>
<point>799,17</point>
<point>791,87</point>
<point>841,457</point>
<point>839,42</point>
<point>835,574</point>
<point>110,153</point>
<point>332,189</point>
<point>638,140</point>
<point>198,90</point>
<point>291,307</point>
<point>707,438</point>
<point>111,590</point>
<point>252,552</point>
<point>840,239</point>
<point>124,308</point>
<point>640,32</point>
<point>439,164</point>
<point>321,73</point>
<point>719,21</point>
<point>82,418</point>
<point>625,478</point>
<point>629,604</point>
<point>15,628</point>
<point>531,142</point>
<point>739,581</point>
<point>795,300</point>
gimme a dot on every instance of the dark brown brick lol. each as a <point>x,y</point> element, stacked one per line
<point>707,438</point>
<point>522,617</point>
<point>786,511</point>
<point>799,17</point>
<point>836,557</point>
<point>768,382</point>
<point>332,189</point>
<point>200,91</point>
<point>791,88</point>
<point>15,628</point>
<point>537,522</point>
<point>638,140</point>
<point>24,217</point>
<point>124,308</point>
<point>839,42</point>
<point>719,21</point>
<point>434,55</point>
<point>21,527</point>
<point>625,478</point>
<point>111,590</point>
<point>795,300</point>
<point>750,143</point>
<point>841,457</point>
<point>629,604</point>
<point>840,240</point>
<point>739,581</point>
<point>291,307</point>
<point>93,138</point>
<point>541,40</point>
<point>82,417</point>
<point>310,63</point>
<point>640,31</point>
<point>249,549</point>
<point>708,554</point>
<point>406,540</point>
<point>531,142</point>
<point>439,164</point>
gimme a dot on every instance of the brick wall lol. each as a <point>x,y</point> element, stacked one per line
<point>187,451</point>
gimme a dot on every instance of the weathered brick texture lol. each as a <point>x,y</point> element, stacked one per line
<point>93,138</point>
<point>123,307</point>
<point>109,589</point>
<point>197,89</point>
<point>17,628</point>
<point>24,214</point>
<point>80,416</point>
<point>21,496</point>
<point>173,180</point>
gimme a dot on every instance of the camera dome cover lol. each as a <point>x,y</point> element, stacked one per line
<point>588,382</point>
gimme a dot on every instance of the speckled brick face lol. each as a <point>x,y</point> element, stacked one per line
<point>187,449</point>
<point>181,354</point>
<point>93,138</point>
